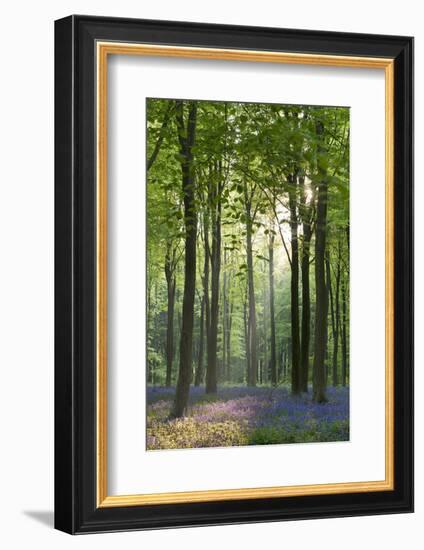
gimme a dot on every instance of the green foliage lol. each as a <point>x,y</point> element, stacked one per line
<point>272,435</point>
<point>247,158</point>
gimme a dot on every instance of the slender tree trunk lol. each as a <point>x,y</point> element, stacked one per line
<point>330,306</point>
<point>344,335</point>
<point>229,325</point>
<point>319,383</point>
<point>186,134</point>
<point>294,288</point>
<point>264,364</point>
<point>280,361</point>
<point>211,371</point>
<point>198,379</point>
<point>170,283</point>
<point>224,319</point>
<point>205,278</point>
<point>253,371</point>
<point>306,305</point>
<point>330,293</point>
<point>337,323</point>
<point>272,361</point>
<point>178,327</point>
<point>288,356</point>
<point>246,338</point>
<point>149,328</point>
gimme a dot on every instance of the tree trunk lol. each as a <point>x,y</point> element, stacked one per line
<point>273,360</point>
<point>306,304</point>
<point>331,306</point>
<point>319,383</point>
<point>198,379</point>
<point>344,335</point>
<point>337,323</point>
<point>253,371</point>
<point>170,283</point>
<point>263,362</point>
<point>228,340</point>
<point>186,135</point>
<point>224,319</point>
<point>294,288</point>
<point>149,328</point>
<point>246,339</point>
<point>205,279</point>
<point>211,371</point>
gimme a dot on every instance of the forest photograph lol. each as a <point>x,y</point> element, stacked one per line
<point>247,274</point>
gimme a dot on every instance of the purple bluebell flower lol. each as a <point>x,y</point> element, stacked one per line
<point>240,416</point>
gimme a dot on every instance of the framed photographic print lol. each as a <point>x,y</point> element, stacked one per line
<point>233,270</point>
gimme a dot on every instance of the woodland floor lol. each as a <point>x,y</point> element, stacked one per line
<point>246,416</point>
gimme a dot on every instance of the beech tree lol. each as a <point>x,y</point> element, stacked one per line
<point>186,127</point>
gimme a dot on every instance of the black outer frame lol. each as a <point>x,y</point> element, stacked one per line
<point>75,274</point>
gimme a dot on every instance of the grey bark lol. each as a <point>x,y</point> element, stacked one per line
<point>186,135</point>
